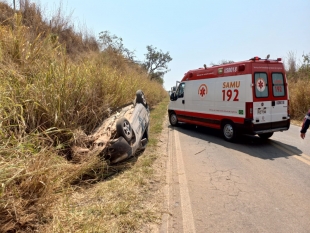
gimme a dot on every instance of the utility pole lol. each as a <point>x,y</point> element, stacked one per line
<point>14,15</point>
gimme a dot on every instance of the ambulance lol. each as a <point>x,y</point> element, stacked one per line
<point>247,97</point>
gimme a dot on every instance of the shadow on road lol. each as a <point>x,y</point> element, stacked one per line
<point>249,144</point>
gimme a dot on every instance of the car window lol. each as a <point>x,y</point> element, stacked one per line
<point>180,91</point>
<point>261,85</point>
<point>278,84</point>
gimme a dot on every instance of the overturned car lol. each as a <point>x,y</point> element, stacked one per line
<point>131,133</point>
<point>121,135</point>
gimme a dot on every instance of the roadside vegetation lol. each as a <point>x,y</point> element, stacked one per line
<point>55,83</point>
<point>128,199</point>
<point>298,75</point>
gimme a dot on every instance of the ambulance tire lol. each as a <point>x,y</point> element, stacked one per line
<point>173,119</point>
<point>265,135</point>
<point>140,98</point>
<point>229,131</point>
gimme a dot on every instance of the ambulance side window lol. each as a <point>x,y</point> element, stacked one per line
<point>180,91</point>
<point>278,84</point>
<point>261,85</point>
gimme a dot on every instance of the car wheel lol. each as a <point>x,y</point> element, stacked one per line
<point>265,135</point>
<point>140,98</point>
<point>229,131</point>
<point>123,128</point>
<point>173,119</point>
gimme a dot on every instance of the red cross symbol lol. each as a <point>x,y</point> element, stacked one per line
<point>260,84</point>
<point>203,90</point>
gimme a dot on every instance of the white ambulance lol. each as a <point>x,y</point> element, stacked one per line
<point>248,97</point>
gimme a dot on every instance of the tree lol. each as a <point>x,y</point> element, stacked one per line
<point>115,44</point>
<point>222,62</point>
<point>305,66</point>
<point>156,63</point>
<point>292,65</point>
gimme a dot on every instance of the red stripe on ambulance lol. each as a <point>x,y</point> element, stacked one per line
<point>241,97</point>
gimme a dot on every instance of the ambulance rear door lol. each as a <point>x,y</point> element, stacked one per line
<point>270,97</point>
<point>262,111</point>
<point>279,102</point>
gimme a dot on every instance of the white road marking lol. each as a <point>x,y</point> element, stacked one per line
<point>187,214</point>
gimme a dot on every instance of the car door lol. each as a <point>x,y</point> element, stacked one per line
<point>180,101</point>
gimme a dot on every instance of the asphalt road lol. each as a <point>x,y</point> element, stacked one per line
<point>248,186</point>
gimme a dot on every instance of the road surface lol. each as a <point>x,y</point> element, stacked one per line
<point>248,186</point>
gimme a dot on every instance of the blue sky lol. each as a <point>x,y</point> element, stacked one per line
<point>197,32</point>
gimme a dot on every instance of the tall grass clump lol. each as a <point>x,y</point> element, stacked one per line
<point>299,80</point>
<point>48,90</point>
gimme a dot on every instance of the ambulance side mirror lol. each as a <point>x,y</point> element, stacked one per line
<point>173,96</point>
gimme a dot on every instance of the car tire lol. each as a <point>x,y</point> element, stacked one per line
<point>140,98</point>
<point>229,131</point>
<point>123,128</point>
<point>173,119</point>
<point>265,135</point>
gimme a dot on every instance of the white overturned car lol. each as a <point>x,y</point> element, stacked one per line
<point>119,136</point>
<point>131,132</point>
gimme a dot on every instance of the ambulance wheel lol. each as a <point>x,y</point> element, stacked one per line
<point>229,131</point>
<point>265,135</point>
<point>123,128</point>
<point>173,119</point>
<point>140,98</point>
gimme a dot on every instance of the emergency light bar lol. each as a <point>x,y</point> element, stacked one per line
<point>255,58</point>
<point>258,58</point>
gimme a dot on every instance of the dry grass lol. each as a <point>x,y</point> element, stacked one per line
<point>46,95</point>
<point>299,80</point>
<point>54,82</point>
<point>299,98</point>
<point>122,202</point>
<point>296,122</point>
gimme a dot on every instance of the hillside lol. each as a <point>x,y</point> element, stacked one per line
<point>55,84</point>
